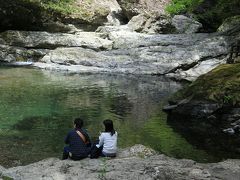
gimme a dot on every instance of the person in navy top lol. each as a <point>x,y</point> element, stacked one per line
<point>78,141</point>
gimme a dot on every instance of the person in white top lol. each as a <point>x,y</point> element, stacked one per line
<point>108,140</point>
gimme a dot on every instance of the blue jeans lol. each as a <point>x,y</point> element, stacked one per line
<point>66,154</point>
<point>66,151</point>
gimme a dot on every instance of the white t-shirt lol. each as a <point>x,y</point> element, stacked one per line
<point>108,142</point>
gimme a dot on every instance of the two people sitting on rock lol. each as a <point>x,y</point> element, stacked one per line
<point>80,146</point>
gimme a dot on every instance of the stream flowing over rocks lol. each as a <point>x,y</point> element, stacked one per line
<point>137,162</point>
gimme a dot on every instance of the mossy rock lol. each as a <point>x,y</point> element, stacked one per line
<point>229,23</point>
<point>35,14</point>
<point>211,13</point>
<point>220,85</point>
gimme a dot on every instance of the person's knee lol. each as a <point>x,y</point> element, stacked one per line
<point>66,149</point>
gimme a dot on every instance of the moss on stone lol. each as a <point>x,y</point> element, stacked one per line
<point>221,85</point>
<point>33,14</point>
<point>229,23</point>
<point>211,13</point>
<point>84,9</point>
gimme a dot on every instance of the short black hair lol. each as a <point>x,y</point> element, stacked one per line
<point>78,122</point>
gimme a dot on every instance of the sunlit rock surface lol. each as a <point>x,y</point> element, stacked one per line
<point>135,162</point>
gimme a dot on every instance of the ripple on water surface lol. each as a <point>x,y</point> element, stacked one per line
<point>37,108</point>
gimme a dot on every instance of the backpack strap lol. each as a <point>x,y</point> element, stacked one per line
<point>82,137</point>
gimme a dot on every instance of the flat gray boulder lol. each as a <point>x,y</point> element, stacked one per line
<point>141,163</point>
<point>45,40</point>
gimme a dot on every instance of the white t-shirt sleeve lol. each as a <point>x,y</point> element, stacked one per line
<point>101,140</point>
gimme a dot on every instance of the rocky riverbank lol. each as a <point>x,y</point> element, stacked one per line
<point>209,109</point>
<point>118,49</point>
<point>137,162</point>
<point>143,42</point>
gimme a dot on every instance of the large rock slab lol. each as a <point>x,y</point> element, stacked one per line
<point>183,56</point>
<point>199,69</point>
<point>131,167</point>
<point>128,39</point>
<point>45,40</point>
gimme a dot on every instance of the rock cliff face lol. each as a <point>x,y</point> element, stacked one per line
<point>136,162</point>
<point>134,7</point>
<point>52,16</point>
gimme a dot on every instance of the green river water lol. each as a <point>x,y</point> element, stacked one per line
<point>37,109</point>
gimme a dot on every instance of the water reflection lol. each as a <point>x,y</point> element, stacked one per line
<point>37,109</point>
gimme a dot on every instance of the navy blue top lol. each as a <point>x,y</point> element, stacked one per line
<point>76,144</point>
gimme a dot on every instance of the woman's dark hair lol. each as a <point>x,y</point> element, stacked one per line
<point>78,122</point>
<point>109,126</point>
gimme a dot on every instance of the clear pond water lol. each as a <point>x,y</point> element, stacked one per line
<point>37,109</point>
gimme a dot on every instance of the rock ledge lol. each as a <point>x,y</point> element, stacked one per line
<point>137,162</point>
